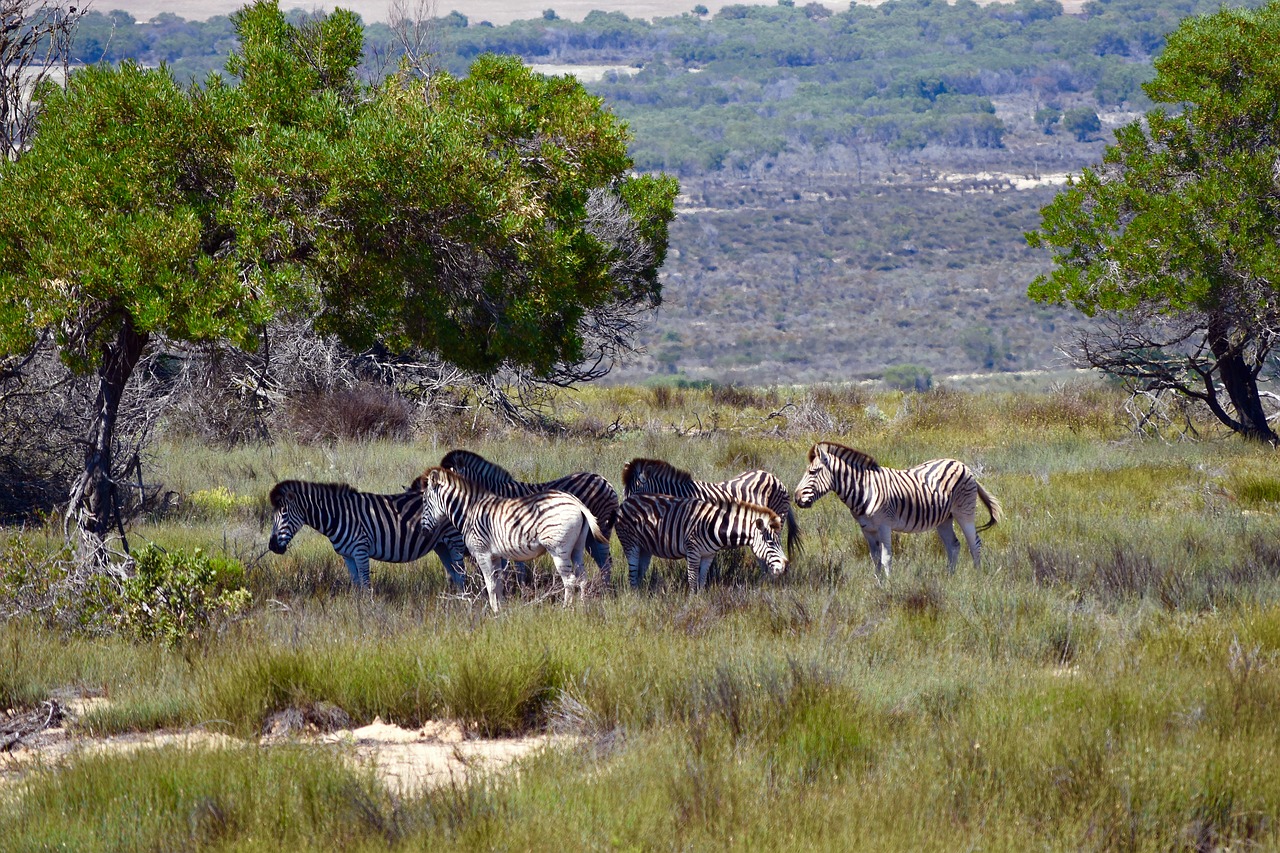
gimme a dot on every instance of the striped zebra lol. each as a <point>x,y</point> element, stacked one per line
<point>363,526</point>
<point>653,476</point>
<point>497,528</point>
<point>926,497</point>
<point>695,529</point>
<point>592,489</point>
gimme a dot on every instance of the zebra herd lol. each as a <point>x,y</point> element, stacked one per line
<point>468,504</point>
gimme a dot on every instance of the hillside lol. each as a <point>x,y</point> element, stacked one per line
<point>857,184</point>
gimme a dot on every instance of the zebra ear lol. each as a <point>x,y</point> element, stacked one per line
<point>823,456</point>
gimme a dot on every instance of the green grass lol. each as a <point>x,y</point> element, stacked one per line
<point>1110,678</point>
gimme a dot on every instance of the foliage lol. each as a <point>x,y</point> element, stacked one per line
<point>1175,238</point>
<point>1082,121</point>
<point>176,597</point>
<point>391,214</point>
<point>908,377</point>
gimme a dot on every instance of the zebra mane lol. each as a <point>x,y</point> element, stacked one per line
<point>632,468</point>
<point>856,458</point>
<point>282,488</point>
<point>465,460</point>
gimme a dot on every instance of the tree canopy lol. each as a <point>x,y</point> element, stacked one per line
<point>488,219</point>
<point>1175,238</point>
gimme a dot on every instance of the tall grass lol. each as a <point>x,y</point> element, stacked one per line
<point>1108,680</point>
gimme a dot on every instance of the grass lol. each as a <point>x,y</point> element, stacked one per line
<point>1107,680</point>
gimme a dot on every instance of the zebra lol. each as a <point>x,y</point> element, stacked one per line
<point>496,528</point>
<point>592,489</point>
<point>653,476</point>
<point>695,529</point>
<point>882,500</point>
<point>363,526</point>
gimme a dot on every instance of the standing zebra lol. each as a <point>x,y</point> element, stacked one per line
<point>363,526</point>
<point>592,489</point>
<point>695,529</point>
<point>655,477</point>
<point>497,528</point>
<point>914,500</point>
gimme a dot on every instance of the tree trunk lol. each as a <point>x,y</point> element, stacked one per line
<point>94,502</point>
<point>1241,385</point>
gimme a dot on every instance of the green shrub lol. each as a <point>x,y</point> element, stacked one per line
<point>178,597</point>
<point>908,377</point>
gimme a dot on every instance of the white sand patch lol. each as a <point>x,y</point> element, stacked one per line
<point>406,761</point>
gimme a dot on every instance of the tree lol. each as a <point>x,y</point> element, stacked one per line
<point>488,219</point>
<point>1083,122</point>
<point>1174,239</point>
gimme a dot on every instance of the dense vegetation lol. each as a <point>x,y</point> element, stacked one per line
<point>752,81</point>
<point>1107,681</point>
<point>835,211</point>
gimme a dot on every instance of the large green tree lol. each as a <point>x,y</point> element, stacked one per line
<point>492,220</point>
<point>1173,241</point>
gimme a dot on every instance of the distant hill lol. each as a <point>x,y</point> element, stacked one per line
<point>857,183</point>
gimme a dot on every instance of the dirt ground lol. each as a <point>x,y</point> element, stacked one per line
<point>406,760</point>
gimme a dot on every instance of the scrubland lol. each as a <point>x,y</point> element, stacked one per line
<point>1109,678</point>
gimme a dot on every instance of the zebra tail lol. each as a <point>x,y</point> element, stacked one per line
<point>993,507</point>
<point>595,526</point>
<point>795,545</point>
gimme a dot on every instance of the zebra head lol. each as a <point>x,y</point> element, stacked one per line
<point>817,480</point>
<point>766,542</point>
<point>434,510</point>
<point>287,519</point>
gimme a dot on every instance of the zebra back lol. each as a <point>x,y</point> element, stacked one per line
<point>655,476</point>
<point>592,489</point>
<point>492,476</point>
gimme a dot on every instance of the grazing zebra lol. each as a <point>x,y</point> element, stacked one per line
<point>914,500</point>
<point>592,489</point>
<point>497,528</point>
<point>653,476</point>
<point>695,529</point>
<point>363,526</point>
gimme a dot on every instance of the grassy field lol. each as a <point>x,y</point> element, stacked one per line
<point>1108,680</point>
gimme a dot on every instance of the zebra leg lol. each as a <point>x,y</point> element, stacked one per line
<point>638,564</point>
<point>491,568</point>
<point>947,534</point>
<point>974,541</point>
<point>452,565</point>
<point>601,553</point>
<point>885,535</point>
<point>873,545</point>
<point>358,568</point>
<point>698,567</point>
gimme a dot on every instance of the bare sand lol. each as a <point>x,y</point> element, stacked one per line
<point>407,761</point>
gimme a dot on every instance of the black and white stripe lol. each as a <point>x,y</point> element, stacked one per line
<point>926,497</point>
<point>519,528</point>
<point>592,489</point>
<point>656,477</point>
<point>363,526</point>
<point>694,529</point>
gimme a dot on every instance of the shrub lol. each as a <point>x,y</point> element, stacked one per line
<point>362,412</point>
<point>179,597</point>
<point>908,377</point>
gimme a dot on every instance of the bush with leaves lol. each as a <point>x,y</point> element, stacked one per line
<point>178,597</point>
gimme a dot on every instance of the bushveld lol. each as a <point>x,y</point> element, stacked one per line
<point>1108,679</point>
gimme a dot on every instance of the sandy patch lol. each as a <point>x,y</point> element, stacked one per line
<point>407,761</point>
<point>411,760</point>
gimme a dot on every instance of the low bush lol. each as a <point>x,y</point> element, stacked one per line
<point>178,597</point>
